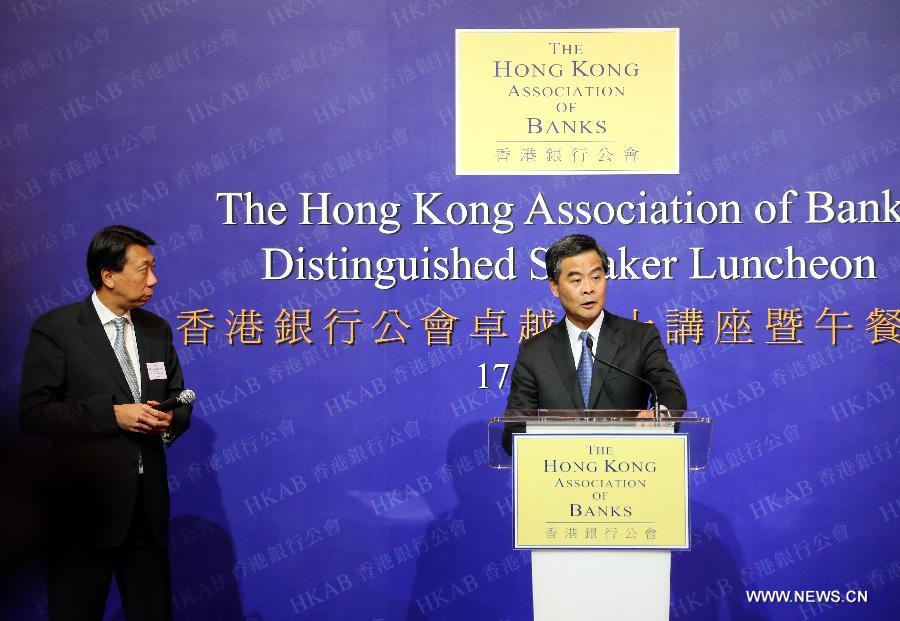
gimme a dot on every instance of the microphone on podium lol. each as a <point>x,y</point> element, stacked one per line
<point>590,346</point>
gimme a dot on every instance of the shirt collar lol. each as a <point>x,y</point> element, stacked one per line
<point>594,329</point>
<point>104,313</point>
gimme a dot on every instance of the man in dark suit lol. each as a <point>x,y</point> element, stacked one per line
<point>555,370</point>
<point>93,371</point>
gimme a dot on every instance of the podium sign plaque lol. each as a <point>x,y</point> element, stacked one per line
<point>600,492</point>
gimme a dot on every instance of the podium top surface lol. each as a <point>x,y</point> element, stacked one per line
<point>624,416</point>
<point>502,429</point>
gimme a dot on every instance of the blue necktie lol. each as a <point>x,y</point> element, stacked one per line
<point>585,367</point>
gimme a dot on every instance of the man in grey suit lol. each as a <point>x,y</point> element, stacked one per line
<point>556,369</point>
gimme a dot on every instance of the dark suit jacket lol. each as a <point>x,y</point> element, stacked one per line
<point>544,376</point>
<point>70,382</point>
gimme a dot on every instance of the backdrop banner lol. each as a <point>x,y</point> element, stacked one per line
<point>347,296</point>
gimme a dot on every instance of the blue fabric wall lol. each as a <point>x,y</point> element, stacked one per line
<point>336,482</point>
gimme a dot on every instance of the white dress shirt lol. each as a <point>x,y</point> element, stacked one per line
<point>575,333</point>
<point>106,318</point>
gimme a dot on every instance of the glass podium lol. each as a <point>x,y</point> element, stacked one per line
<point>500,429</point>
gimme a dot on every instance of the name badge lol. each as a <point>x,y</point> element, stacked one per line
<point>156,370</point>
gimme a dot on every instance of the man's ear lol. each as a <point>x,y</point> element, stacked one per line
<point>106,278</point>
<point>554,288</point>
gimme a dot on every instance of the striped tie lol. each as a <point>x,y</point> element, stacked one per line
<point>585,367</point>
<point>128,370</point>
<point>125,359</point>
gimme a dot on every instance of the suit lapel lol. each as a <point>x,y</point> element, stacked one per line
<point>95,337</point>
<point>607,347</point>
<point>561,352</point>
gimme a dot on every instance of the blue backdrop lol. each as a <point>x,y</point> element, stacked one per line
<point>334,482</point>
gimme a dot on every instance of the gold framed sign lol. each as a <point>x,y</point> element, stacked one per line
<point>608,491</point>
<point>552,102</point>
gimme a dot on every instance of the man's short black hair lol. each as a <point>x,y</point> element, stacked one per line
<point>107,250</point>
<point>569,246</point>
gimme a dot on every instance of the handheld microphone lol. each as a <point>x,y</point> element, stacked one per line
<point>185,397</point>
<point>590,346</point>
